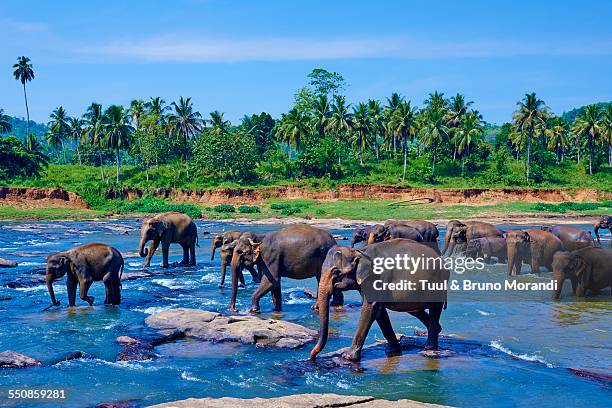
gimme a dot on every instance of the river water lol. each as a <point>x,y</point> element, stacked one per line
<point>527,348</point>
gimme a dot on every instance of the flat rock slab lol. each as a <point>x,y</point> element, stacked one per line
<point>216,327</point>
<point>12,359</point>
<point>296,401</point>
<point>5,263</point>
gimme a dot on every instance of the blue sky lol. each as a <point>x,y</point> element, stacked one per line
<point>251,56</point>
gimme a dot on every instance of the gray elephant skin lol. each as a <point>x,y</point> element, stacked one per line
<point>165,229</point>
<point>589,269</point>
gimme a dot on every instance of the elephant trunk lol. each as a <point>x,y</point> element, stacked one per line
<point>324,294</point>
<point>371,238</point>
<point>235,267</point>
<point>447,239</point>
<point>515,260</point>
<point>557,292</point>
<point>142,251</point>
<point>214,248</point>
<point>596,229</point>
<point>49,279</point>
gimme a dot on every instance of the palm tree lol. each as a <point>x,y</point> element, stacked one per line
<point>362,126</point>
<point>75,132</point>
<point>606,131</point>
<point>340,120</point>
<point>34,149</point>
<point>185,122</point>
<point>5,125</point>
<point>24,72</point>
<point>469,132</point>
<point>94,131</point>
<point>403,123</point>
<point>137,108</point>
<point>530,120</point>
<point>558,137</point>
<point>320,115</point>
<point>58,129</point>
<point>117,131</point>
<point>292,129</point>
<point>587,126</point>
<point>218,124</point>
<point>434,131</point>
<point>392,103</point>
<point>375,112</point>
<point>457,108</point>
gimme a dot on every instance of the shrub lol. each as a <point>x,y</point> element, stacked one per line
<point>224,208</point>
<point>249,209</point>
<point>280,206</point>
<point>156,205</point>
<point>291,211</point>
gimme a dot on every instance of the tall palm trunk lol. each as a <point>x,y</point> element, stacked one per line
<point>101,161</point>
<point>590,156</point>
<point>118,163</point>
<point>405,158</point>
<point>25,96</point>
<point>78,153</point>
<point>186,155</point>
<point>433,163</point>
<point>528,155</point>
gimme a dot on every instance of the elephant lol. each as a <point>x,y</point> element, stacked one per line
<point>572,238</point>
<point>588,268</point>
<point>486,248</point>
<point>295,252</point>
<point>167,228</point>
<point>458,232</point>
<point>429,231</point>
<point>227,250</point>
<point>84,265</point>
<point>379,233</point>
<point>604,222</point>
<point>360,235</point>
<point>532,246</point>
<point>351,269</point>
<point>222,239</point>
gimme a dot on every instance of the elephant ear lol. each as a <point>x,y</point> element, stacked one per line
<point>256,250</point>
<point>159,228</point>
<point>338,259</point>
<point>387,234</point>
<point>361,269</point>
<point>582,271</point>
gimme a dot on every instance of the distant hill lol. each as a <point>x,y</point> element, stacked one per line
<point>19,128</point>
<point>571,115</point>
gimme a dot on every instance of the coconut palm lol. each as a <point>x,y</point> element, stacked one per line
<point>469,132</point>
<point>218,124</point>
<point>530,120</point>
<point>75,133</point>
<point>433,131</point>
<point>362,127</point>
<point>185,122</point>
<point>375,112</point>
<point>94,131</point>
<point>5,125</point>
<point>24,72</point>
<point>558,137</point>
<point>606,130</point>
<point>392,103</point>
<point>340,119</point>
<point>403,123</point>
<point>58,129</point>
<point>117,131</point>
<point>292,129</point>
<point>320,115</point>
<point>35,150</point>
<point>457,108</point>
<point>587,126</point>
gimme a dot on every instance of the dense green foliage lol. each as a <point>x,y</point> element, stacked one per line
<point>20,159</point>
<point>156,205</point>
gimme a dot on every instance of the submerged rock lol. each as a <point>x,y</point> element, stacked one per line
<point>12,359</point>
<point>216,327</point>
<point>5,263</point>
<point>135,349</point>
<point>295,401</point>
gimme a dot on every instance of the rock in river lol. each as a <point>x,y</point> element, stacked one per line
<point>216,327</point>
<point>296,401</point>
<point>12,359</point>
<point>5,263</point>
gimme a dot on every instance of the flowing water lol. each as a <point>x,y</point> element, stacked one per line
<point>526,347</point>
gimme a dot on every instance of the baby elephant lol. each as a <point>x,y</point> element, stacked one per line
<point>84,265</point>
<point>486,248</point>
<point>587,268</point>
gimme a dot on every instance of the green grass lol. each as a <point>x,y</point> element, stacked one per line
<point>31,214</point>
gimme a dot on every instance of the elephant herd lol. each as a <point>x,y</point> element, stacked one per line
<point>304,251</point>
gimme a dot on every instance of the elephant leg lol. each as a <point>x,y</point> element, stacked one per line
<point>165,251</point>
<point>434,328</point>
<point>185,260</point>
<point>423,317</point>
<point>192,255</point>
<point>71,286</point>
<point>366,318</point>
<point>277,297</point>
<point>393,347</point>
<point>84,288</point>
<point>223,271</point>
<point>152,248</point>
<point>116,286</point>
<point>254,274</point>
<point>107,287</point>
<point>264,287</point>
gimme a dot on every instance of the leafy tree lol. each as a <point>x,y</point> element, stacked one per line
<point>117,131</point>
<point>317,160</point>
<point>58,129</point>
<point>558,136</point>
<point>234,154</point>
<point>587,126</point>
<point>185,122</point>
<point>262,128</point>
<point>5,125</point>
<point>94,130</point>
<point>323,82</point>
<point>530,121</point>
<point>35,150</point>
<point>24,72</point>
<point>17,161</point>
<point>76,128</point>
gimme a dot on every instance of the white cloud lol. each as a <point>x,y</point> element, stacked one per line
<point>209,50</point>
<point>23,26</point>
